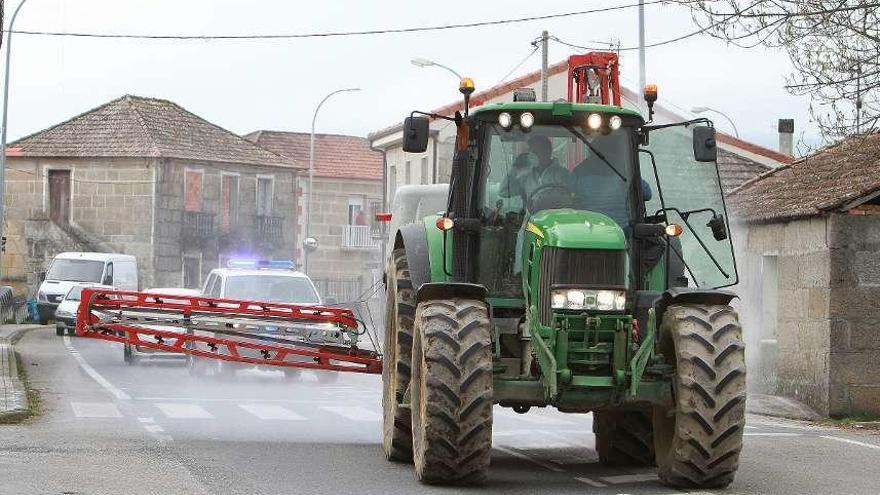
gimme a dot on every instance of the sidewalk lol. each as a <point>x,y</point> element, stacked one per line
<point>13,396</point>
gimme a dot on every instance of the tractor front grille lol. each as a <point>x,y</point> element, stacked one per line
<point>592,267</point>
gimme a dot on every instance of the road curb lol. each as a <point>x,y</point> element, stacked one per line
<point>14,405</point>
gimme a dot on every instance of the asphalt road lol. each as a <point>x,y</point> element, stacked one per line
<point>111,428</point>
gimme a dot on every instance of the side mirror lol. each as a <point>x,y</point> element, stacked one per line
<point>41,276</point>
<point>704,144</point>
<point>719,228</point>
<point>415,134</point>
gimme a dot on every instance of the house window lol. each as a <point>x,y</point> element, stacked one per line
<point>228,201</point>
<point>426,177</point>
<point>192,271</point>
<point>408,173</point>
<point>265,186</point>
<point>375,208</point>
<point>357,232</point>
<point>193,190</point>
<point>59,195</point>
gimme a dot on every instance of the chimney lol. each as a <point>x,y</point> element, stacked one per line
<point>786,136</point>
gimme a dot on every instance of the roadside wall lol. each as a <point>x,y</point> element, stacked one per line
<point>854,306</point>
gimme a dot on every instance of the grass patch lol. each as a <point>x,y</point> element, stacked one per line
<point>34,404</point>
<point>858,420</point>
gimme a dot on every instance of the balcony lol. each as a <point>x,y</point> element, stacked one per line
<point>269,230</point>
<point>197,226</point>
<point>358,236</point>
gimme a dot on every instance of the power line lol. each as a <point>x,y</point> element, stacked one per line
<point>524,60</point>
<point>331,34</point>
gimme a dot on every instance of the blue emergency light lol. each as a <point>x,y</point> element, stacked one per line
<point>261,264</point>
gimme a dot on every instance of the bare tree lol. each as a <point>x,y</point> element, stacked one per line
<point>834,46</point>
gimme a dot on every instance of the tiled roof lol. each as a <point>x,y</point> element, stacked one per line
<point>824,181</point>
<point>344,157</point>
<point>133,126</point>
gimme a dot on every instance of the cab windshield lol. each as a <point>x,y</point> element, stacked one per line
<point>76,270</point>
<point>556,166</point>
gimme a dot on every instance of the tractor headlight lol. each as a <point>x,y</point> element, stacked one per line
<point>588,299</point>
<point>504,120</point>
<point>526,120</point>
<point>615,122</point>
<point>594,121</point>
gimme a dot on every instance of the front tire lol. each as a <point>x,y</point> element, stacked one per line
<point>624,438</point>
<point>452,392</point>
<point>59,329</point>
<point>698,441</point>
<point>399,313</point>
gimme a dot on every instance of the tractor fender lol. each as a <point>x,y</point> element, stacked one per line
<point>414,240</point>
<point>449,290</point>
<point>694,295</point>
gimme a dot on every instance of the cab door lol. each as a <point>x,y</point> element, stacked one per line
<point>688,193</point>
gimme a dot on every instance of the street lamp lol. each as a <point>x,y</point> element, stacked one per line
<point>423,62</point>
<point>310,244</point>
<point>698,110</point>
<point>3,131</point>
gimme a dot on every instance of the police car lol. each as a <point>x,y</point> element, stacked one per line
<point>274,282</point>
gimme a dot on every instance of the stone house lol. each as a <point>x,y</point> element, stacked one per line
<point>738,160</point>
<point>811,230</point>
<point>146,177</point>
<point>347,195</point>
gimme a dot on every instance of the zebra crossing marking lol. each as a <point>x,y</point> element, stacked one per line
<point>271,412</point>
<point>183,411</point>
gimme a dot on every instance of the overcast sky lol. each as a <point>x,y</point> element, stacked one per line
<point>250,85</point>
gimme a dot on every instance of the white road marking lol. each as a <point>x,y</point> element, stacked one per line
<point>146,420</point>
<point>853,442</point>
<point>154,428</point>
<point>119,394</point>
<point>95,410</point>
<point>354,413</point>
<point>520,455</point>
<point>629,478</point>
<point>271,411</point>
<point>772,434</point>
<point>591,482</point>
<point>184,411</point>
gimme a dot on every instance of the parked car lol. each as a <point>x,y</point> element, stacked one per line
<point>131,354</point>
<point>65,313</point>
<point>69,269</point>
<point>274,282</point>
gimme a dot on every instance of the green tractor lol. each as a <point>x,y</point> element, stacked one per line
<point>579,265</point>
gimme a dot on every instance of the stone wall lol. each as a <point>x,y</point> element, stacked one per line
<point>241,240</point>
<point>110,209</point>
<point>334,260</point>
<point>803,325</point>
<point>855,315</point>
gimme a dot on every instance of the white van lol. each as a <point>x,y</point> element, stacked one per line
<point>69,269</point>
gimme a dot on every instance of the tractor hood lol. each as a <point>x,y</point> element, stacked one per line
<point>577,229</point>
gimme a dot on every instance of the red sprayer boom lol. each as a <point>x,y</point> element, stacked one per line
<point>250,332</point>
<point>594,78</point>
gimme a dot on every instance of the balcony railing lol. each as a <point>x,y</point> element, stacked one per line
<point>197,225</point>
<point>269,229</point>
<point>358,236</point>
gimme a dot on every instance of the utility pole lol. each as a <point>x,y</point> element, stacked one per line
<point>642,80</point>
<point>545,39</point>
<point>3,131</point>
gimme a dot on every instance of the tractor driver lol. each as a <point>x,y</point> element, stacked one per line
<point>533,171</point>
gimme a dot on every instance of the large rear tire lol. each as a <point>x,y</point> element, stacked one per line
<point>624,437</point>
<point>452,392</point>
<point>399,313</point>
<point>698,441</point>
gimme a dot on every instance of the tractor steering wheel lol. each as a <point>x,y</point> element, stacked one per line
<point>550,196</point>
